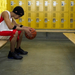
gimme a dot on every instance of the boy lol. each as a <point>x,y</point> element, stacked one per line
<point>8,27</point>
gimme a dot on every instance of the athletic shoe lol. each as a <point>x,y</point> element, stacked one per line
<point>13,55</point>
<point>21,51</point>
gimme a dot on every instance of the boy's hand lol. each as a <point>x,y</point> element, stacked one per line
<point>27,30</point>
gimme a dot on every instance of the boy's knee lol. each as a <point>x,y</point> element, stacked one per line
<point>16,33</point>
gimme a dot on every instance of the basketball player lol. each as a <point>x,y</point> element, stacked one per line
<point>8,27</point>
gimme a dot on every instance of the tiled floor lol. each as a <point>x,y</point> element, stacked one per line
<point>44,58</point>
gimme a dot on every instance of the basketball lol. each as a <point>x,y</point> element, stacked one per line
<point>33,32</point>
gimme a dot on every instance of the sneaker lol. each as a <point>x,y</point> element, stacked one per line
<point>21,51</point>
<point>13,55</point>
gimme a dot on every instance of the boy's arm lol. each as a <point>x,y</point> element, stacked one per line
<point>7,20</point>
<point>11,26</point>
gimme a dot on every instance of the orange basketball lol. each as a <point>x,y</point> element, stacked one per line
<point>33,32</point>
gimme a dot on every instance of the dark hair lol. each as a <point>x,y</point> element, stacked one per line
<point>18,10</point>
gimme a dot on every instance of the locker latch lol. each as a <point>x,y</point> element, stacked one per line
<point>20,3</point>
<point>72,3</point>
<point>12,3</point>
<point>54,3</point>
<point>63,3</point>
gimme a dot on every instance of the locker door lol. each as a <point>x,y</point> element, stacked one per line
<point>22,20</point>
<point>47,20</point>
<point>64,5</point>
<point>0,5</point>
<point>30,5</point>
<point>22,3</point>
<point>8,5</point>
<point>13,4</point>
<point>39,21</point>
<point>4,4</point>
<point>55,5</point>
<point>31,19</point>
<point>72,21</point>
<point>47,5</point>
<point>64,21</point>
<point>72,5</point>
<point>55,21</point>
<point>39,5</point>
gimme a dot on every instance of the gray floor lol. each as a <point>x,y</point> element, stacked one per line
<point>44,58</point>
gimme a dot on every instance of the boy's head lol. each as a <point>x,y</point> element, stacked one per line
<point>18,10</point>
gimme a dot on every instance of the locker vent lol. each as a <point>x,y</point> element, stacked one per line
<point>54,14</point>
<point>45,25</point>
<point>71,25</point>
<point>54,8</point>
<point>29,14</point>
<point>45,14</point>
<point>37,25</point>
<point>62,25</point>
<point>53,25</point>
<point>71,15</point>
<point>71,8</point>
<point>37,15</point>
<point>62,9</point>
<point>46,8</point>
<point>62,15</point>
<point>37,8</point>
<point>29,8</point>
<point>29,24</point>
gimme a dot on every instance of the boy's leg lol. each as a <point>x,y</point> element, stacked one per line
<point>18,48</point>
<point>13,42</point>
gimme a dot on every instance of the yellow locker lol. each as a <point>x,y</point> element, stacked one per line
<point>55,5</point>
<point>47,20</point>
<point>47,5</point>
<point>30,5</point>
<point>71,20</point>
<point>8,5</point>
<point>22,3</point>
<point>22,20</point>
<point>5,4</point>
<point>39,20</point>
<point>72,5</point>
<point>55,21</point>
<point>64,5</point>
<point>39,5</point>
<point>64,20</point>
<point>31,19</point>
<point>13,4</point>
<point>0,6</point>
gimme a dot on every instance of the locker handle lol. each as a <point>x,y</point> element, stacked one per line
<point>39,20</point>
<point>56,20</point>
<point>48,20</point>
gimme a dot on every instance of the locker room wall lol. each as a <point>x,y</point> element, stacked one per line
<point>46,14</point>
